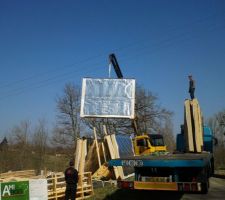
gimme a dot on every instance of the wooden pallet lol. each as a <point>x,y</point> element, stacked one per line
<point>57,186</point>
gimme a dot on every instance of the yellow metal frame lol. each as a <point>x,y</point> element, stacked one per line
<point>155,186</point>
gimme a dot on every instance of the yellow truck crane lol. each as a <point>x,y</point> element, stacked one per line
<point>149,144</point>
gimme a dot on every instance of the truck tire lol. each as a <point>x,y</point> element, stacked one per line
<point>212,167</point>
<point>205,187</point>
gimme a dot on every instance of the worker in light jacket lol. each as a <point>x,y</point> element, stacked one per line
<point>71,178</point>
<point>191,87</point>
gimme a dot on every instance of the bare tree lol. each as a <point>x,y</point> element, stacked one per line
<point>39,141</point>
<point>68,118</point>
<point>150,115</point>
<point>217,124</point>
<point>21,135</point>
<point>4,155</point>
<point>167,131</point>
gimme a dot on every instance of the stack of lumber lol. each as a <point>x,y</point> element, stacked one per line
<point>98,155</point>
<point>17,175</point>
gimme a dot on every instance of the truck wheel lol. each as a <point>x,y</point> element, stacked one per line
<point>212,167</point>
<point>205,187</point>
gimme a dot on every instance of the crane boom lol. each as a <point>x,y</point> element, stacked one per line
<point>113,61</point>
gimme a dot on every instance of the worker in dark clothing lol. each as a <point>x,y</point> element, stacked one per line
<point>71,178</point>
<point>191,87</point>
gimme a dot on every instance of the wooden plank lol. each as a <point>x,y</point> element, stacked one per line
<point>201,126</point>
<point>117,155</point>
<point>97,148</point>
<point>112,154</point>
<point>78,154</point>
<point>89,181</point>
<point>188,132</point>
<point>115,146</point>
<point>83,155</point>
<point>103,151</point>
<point>198,126</point>
<point>105,130</point>
<point>90,158</point>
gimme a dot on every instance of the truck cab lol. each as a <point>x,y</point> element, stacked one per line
<point>148,144</point>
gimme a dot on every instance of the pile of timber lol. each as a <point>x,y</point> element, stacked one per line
<point>98,155</point>
<point>17,175</point>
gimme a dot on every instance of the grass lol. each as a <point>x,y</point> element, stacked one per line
<point>103,193</point>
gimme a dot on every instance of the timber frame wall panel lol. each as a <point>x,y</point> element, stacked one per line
<point>117,155</point>
<point>198,125</point>
<point>188,129</point>
<point>112,154</point>
<point>78,153</point>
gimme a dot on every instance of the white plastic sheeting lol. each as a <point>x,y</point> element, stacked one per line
<point>111,98</point>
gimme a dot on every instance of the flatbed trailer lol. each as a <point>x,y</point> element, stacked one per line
<point>168,160</point>
<point>176,172</point>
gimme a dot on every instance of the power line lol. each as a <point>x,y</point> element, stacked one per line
<point>163,43</point>
<point>67,74</point>
<point>50,71</point>
<point>171,28</point>
<point>47,82</point>
<point>185,36</point>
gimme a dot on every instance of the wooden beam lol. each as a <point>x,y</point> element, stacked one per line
<point>97,148</point>
<point>103,151</point>
<point>83,155</point>
<point>77,154</point>
<point>188,131</point>
<point>112,154</point>
<point>117,154</point>
<point>198,125</point>
<point>105,130</point>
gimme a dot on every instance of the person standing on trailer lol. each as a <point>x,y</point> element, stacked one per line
<point>71,178</point>
<point>191,87</point>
